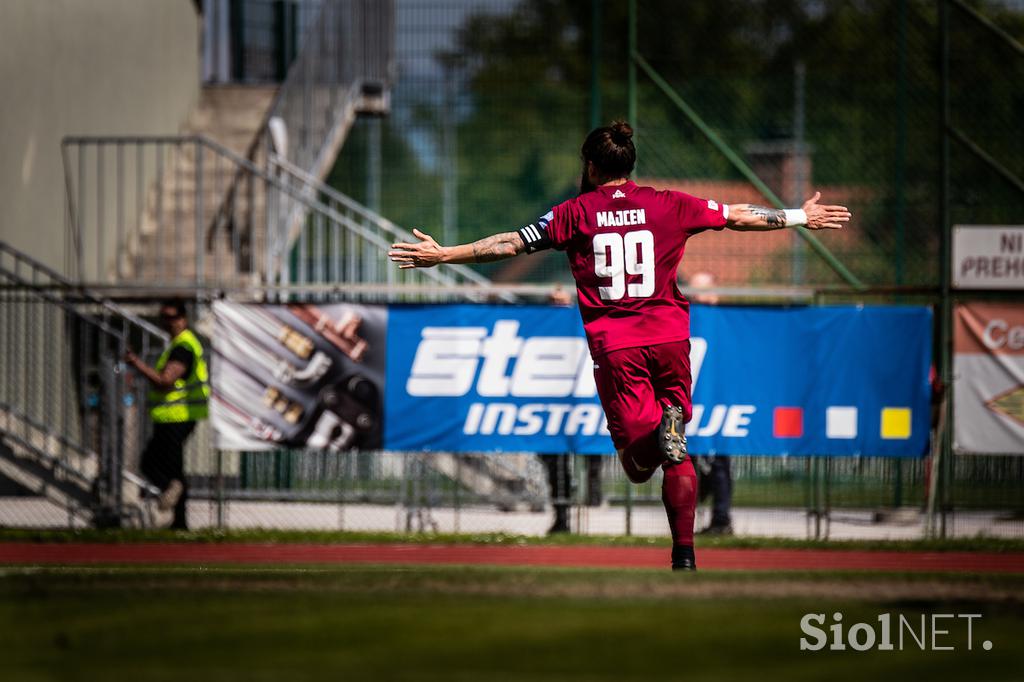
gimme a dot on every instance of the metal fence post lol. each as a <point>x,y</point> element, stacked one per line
<point>458,491</point>
<point>220,489</point>
<point>826,512</point>
<point>631,68</point>
<point>629,508</point>
<point>340,457</point>
<point>101,223</point>
<point>946,259</point>
<point>109,511</point>
<point>199,191</point>
<point>79,217</point>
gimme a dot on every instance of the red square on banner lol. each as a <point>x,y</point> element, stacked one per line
<point>789,422</point>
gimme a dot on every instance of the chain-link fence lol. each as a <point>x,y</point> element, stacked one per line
<point>489,105</point>
<point>71,420</point>
<point>76,423</point>
<point>492,101</point>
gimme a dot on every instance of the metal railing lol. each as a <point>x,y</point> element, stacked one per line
<point>186,211</point>
<point>68,416</point>
<point>59,381</point>
<point>315,260</point>
<point>138,210</point>
<point>343,67</point>
<point>345,54</point>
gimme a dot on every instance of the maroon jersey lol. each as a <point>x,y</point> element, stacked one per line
<point>624,245</point>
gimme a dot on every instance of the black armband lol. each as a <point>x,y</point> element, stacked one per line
<point>535,236</point>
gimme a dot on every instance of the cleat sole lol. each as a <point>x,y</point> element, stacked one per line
<point>672,434</point>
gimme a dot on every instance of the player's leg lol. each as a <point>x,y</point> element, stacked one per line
<point>670,378</point>
<point>624,387</point>
<point>679,495</point>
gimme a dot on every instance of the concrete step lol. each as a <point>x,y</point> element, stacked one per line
<point>166,241</point>
<point>231,114</point>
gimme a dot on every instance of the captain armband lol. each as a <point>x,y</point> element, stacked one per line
<point>535,236</point>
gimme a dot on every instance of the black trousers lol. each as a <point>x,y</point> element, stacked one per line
<point>163,461</point>
<point>718,483</point>
<point>560,480</point>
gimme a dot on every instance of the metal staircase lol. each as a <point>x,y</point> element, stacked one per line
<point>197,216</point>
<point>279,214</point>
<point>67,414</point>
<point>194,210</point>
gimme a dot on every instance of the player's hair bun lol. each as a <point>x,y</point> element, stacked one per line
<point>622,133</point>
<point>610,149</point>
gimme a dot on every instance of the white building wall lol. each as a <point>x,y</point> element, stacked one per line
<point>83,67</point>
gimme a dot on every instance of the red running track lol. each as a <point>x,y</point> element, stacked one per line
<point>503,555</point>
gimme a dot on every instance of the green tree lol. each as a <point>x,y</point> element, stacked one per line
<point>872,107</point>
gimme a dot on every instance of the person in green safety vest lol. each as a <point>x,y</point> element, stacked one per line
<point>177,400</point>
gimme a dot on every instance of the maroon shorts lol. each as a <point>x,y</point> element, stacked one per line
<point>634,384</point>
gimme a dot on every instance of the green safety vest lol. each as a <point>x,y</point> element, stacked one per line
<point>187,401</point>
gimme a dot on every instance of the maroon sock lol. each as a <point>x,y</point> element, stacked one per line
<point>679,495</point>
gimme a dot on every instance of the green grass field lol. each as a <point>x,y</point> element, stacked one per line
<point>482,623</point>
<point>122,535</point>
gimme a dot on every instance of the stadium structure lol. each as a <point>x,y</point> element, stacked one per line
<point>197,153</point>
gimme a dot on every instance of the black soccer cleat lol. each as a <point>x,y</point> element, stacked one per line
<point>672,434</point>
<point>683,558</point>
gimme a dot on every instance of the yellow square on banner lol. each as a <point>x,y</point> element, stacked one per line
<point>896,423</point>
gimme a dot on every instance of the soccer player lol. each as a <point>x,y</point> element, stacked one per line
<point>624,243</point>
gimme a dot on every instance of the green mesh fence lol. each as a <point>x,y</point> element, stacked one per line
<point>492,100</point>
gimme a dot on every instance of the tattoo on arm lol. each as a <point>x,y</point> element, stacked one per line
<point>774,217</point>
<point>497,247</point>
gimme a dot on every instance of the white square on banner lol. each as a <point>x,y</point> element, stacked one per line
<point>841,422</point>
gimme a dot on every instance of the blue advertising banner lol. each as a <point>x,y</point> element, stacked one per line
<point>476,378</point>
<point>839,380</point>
<point>836,380</point>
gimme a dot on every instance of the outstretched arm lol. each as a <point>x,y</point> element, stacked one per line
<point>428,253</point>
<point>813,216</point>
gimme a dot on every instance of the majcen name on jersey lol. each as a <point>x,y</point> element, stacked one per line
<point>633,216</point>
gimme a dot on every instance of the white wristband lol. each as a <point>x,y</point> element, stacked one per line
<point>795,216</point>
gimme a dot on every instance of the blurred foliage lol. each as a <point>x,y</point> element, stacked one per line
<point>349,176</point>
<point>512,89</point>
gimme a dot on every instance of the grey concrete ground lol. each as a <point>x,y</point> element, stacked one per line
<point>646,520</point>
